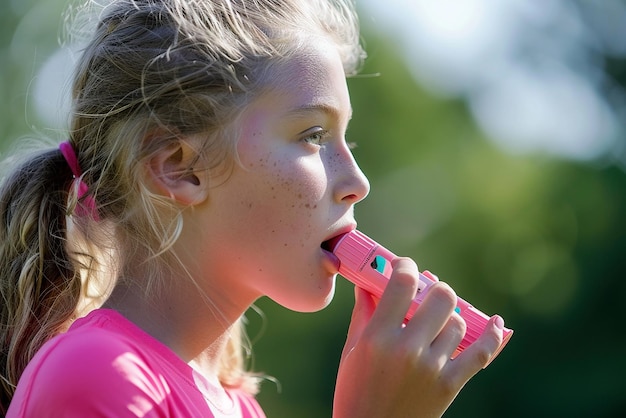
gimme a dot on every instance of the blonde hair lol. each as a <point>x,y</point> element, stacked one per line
<point>153,72</point>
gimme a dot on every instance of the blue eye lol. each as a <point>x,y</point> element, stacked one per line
<point>316,138</point>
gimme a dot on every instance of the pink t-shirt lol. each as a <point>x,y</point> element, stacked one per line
<point>105,366</point>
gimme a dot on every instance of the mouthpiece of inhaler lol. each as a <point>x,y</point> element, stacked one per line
<point>367,264</point>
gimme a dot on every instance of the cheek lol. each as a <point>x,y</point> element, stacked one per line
<point>279,184</point>
<point>293,202</point>
<point>301,185</point>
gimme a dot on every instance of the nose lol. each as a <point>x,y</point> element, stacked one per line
<point>352,185</point>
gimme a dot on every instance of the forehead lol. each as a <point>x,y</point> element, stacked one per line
<point>313,78</point>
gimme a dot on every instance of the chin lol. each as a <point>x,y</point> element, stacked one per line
<point>324,303</point>
<point>312,301</point>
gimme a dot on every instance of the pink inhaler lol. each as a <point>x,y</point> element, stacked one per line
<point>367,264</point>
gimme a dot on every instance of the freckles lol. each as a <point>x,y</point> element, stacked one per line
<point>310,206</point>
<point>334,162</point>
<point>306,235</point>
<point>248,146</point>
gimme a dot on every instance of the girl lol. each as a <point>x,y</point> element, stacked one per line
<point>206,165</point>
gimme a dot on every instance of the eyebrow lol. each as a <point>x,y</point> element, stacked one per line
<point>306,110</point>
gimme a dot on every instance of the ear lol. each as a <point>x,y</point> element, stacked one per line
<point>172,173</point>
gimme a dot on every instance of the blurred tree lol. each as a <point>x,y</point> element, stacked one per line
<point>29,33</point>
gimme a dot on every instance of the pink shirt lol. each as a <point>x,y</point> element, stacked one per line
<point>105,366</point>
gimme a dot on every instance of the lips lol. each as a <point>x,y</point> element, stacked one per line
<point>331,242</point>
<point>329,245</point>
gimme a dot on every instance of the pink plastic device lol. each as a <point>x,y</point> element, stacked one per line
<point>367,264</point>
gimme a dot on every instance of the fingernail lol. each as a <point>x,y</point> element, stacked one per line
<point>499,322</point>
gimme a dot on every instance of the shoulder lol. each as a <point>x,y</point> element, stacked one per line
<point>90,370</point>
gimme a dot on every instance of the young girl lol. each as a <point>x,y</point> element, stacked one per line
<point>205,167</point>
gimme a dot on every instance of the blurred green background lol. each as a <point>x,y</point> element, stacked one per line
<point>538,237</point>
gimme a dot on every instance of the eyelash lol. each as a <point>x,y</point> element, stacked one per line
<point>316,138</point>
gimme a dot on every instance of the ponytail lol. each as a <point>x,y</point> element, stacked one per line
<point>39,285</point>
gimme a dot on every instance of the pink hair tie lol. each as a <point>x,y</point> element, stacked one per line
<point>86,205</point>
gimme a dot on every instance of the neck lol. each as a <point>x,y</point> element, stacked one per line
<point>193,327</point>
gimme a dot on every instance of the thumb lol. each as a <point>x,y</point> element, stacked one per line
<point>364,306</point>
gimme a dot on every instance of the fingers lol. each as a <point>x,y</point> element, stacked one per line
<point>364,307</point>
<point>477,356</point>
<point>390,365</point>
<point>398,295</point>
<point>446,342</point>
<point>434,312</point>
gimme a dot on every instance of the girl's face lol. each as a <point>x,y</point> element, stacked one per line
<point>295,188</point>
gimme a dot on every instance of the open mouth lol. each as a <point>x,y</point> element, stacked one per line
<point>329,245</point>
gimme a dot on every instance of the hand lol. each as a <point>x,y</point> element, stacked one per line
<point>389,369</point>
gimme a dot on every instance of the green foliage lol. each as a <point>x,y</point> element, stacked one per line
<point>29,33</point>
